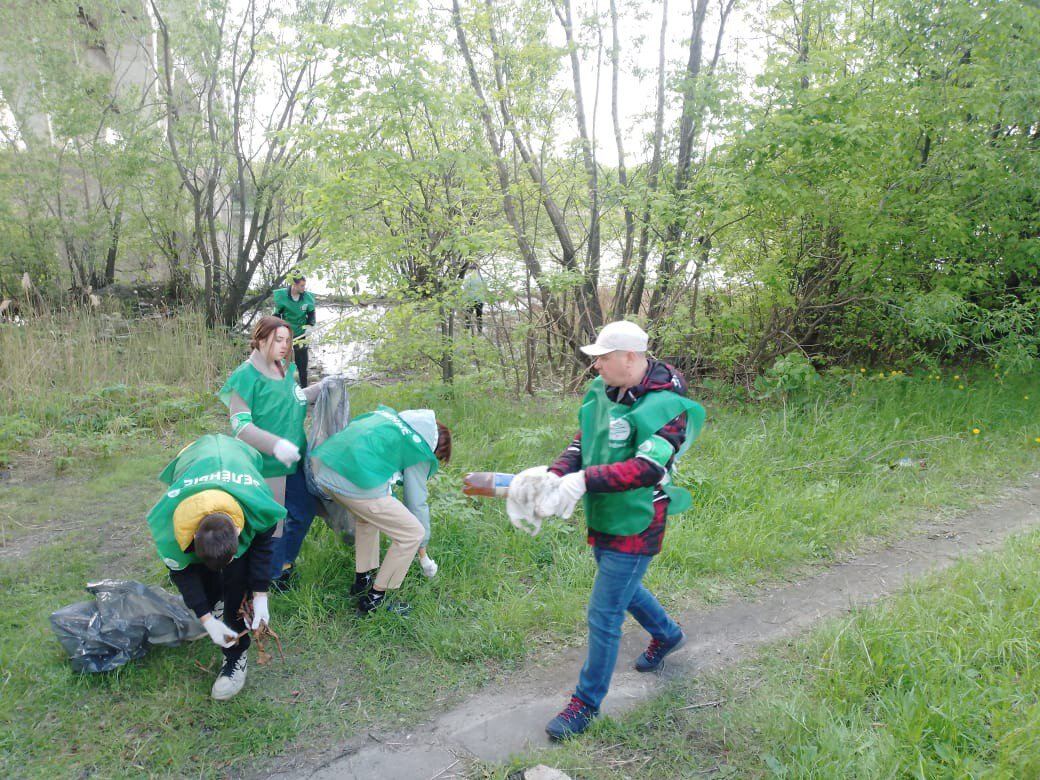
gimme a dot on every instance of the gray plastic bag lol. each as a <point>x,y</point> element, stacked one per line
<point>331,414</point>
<point>119,625</point>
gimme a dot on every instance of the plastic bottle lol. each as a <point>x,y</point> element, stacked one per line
<point>486,483</point>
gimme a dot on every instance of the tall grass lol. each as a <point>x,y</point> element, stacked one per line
<point>88,382</point>
<point>77,351</point>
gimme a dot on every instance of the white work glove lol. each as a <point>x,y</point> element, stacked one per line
<point>260,612</point>
<point>525,491</point>
<point>286,452</point>
<point>564,497</point>
<point>219,632</point>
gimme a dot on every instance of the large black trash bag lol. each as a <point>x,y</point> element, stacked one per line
<point>125,618</point>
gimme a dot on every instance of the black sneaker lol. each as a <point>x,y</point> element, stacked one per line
<point>575,719</point>
<point>654,655</point>
<point>362,584</point>
<point>285,582</point>
<point>374,600</point>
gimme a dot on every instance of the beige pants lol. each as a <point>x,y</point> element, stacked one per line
<point>392,518</point>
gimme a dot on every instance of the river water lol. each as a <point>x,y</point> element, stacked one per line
<point>330,351</point>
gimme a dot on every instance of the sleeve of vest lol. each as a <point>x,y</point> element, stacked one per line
<point>261,553</point>
<point>189,583</point>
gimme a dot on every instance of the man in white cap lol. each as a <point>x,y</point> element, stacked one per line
<point>634,420</point>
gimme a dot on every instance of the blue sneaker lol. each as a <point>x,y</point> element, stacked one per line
<point>574,719</point>
<point>654,655</point>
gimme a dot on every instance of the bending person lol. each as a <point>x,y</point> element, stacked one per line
<point>213,529</point>
<point>358,466</point>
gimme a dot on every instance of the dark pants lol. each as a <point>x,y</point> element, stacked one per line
<point>300,358</point>
<point>229,585</point>
<point>300,509</point>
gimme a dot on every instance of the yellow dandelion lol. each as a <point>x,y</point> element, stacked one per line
<point>956,376</point>
<point>1025,398</point>
<point>1037,439</point>
<point>960,387</point>
<point>882,375</point>
<point>976,431</point>
<point>863,370</point>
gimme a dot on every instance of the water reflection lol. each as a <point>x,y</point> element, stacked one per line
<point>330,352</point>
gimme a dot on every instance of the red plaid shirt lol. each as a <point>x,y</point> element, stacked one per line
<point>634,472</point>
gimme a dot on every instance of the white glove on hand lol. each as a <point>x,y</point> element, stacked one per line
<point>219,632</point>
<point>260,612</point>
<point>565,497</point>
<point>286,452</point>
<point>525,491</point>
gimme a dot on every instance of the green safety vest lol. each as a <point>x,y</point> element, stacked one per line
<point>294,312</point>
<point>373,448</point>
<point>213,462</point>
<point>612,432</point>
<point>278,406</point>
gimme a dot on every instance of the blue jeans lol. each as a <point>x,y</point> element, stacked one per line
<point>618,588</point>
<point>299,505</point>
<point>288,545</point>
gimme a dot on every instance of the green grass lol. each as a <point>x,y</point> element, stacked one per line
<point>777,487</point>
<point>941,681</point>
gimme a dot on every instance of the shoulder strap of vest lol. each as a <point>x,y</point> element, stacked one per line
<point>654,410</point>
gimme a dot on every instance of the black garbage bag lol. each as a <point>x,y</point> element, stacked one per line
<point>119,625</point>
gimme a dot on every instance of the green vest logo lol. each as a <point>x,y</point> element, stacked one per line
<point>620,430</point>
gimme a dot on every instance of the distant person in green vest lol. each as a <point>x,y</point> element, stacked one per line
<point>213,529</point>
<point>359,467</point>
<point>297,307</point>
<point>633,422</point>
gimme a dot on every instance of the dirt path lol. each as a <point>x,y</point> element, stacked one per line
<point>492,725</point>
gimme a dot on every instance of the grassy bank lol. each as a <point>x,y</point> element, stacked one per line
<point>941,681</point>
<point>777,486</point>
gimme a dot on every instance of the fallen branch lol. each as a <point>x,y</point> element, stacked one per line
<point>715,703</point>
<point>260,634</point>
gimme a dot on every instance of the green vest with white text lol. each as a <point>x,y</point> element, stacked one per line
<point>611,433</point>
<point>373,448</point>
<point>278,406</point>
<point>213,462</point>
<point>295,312</point>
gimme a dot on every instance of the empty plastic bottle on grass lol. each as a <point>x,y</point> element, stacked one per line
<point>486,483</point>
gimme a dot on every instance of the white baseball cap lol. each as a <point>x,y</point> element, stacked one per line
<point>622,335</point>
